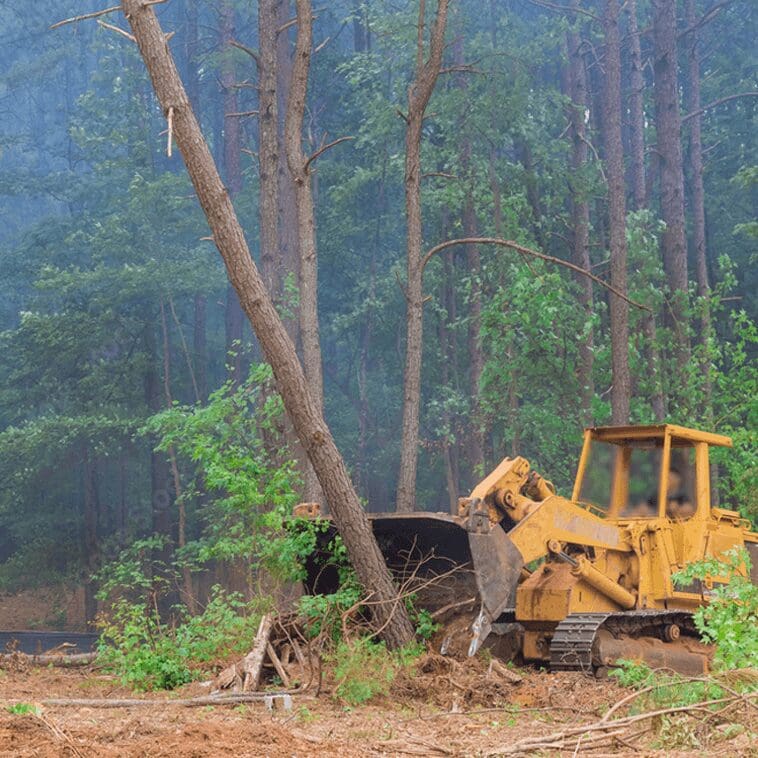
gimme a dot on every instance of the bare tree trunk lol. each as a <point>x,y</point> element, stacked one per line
<point>90,543</point>
<point>698,223</point>
<point>614,161</point>
<point>233,174</point>
<point>306,225</point>
<point>668,130</point>
<point>268,146</point>
<point>389,613</point>
<point>419,93</point>
<point>636,109</point>
<point>289,255</point>
<point>189,596</point>
<point>580,215</point>
<point>476,359</point>
<point>444,337</point>
<point>159,485</point>
<point>200,346</point>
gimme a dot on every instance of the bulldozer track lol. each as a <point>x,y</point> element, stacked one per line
<point>572,645</point>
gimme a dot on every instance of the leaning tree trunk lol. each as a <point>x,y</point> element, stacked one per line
<point>306,224</point>
<point>614,162</point>
<point>389,612</point>
<point>419,94</point>
<point>668,130</point>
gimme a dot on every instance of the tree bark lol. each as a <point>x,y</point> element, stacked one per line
<point>698,223</point>
<point>289,255</point>
<point>232,152</point>
<point>306,225</point>
<point>668,130</point>
<point>200,345</point>
<point>580,215</point>
<point>268,146</point>
<point>159,477</point>
<point>90,542</point>
<point>419,93</point>
<point>476,358</point>
<point>189,595</point>
<point>389,613</point>
<point>636,110</point>
<point>614,162</point>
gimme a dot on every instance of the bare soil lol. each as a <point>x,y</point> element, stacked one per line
<point>443,710</point>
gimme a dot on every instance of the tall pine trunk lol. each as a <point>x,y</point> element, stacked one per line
<point>580,215</point>
<point>306,224</point>
<point>668,130</point>
<point>636,110</point>
<point>419,93</point>
<point>232,151</point>
<point>614,164</point>
<point>698,224</point>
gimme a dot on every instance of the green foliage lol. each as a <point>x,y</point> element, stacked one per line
<point>147,653</point>
<point>730,618</point>
<point>324,613</point>
<point>365,669</point>
<point>138,647</point>
<point>23,709</point>
<point>235,447</point>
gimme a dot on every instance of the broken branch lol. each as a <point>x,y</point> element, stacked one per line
<point>323,149</point>
<point>117,30</point>
<point>245,49</point>
<point>85,17</point>
<point>528,251</point>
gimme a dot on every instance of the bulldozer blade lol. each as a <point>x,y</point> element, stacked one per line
<point>497,567</point>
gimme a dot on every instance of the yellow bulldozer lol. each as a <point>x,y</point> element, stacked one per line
<point>574,584</point>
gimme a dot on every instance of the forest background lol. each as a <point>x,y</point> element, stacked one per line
<point>619,139</point>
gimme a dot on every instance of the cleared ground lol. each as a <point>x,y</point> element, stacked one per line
<point>446,709</point>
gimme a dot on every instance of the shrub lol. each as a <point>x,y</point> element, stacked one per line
<point>148,654</point>
<point>730,618</point>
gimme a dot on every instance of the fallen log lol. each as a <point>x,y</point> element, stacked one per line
<point>204,700</point>
<point>501,670</point>
<point>65,661</point>
<point>253,661</point>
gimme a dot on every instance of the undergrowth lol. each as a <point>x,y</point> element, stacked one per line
<point>728,621</point>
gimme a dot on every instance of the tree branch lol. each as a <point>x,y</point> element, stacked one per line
<point>117,30</point>
<point>564,8</point>
<point>715,103</point>
<point>245,49</point>
<point>322,150</point>
<point>85,17</point>
<point>707,17</point>
<point>528,251</point>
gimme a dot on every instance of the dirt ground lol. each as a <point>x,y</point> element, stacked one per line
<point>437,712</point>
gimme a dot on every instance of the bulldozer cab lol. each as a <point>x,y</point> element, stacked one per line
<point>659,471</point>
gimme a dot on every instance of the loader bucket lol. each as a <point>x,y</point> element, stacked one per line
<point>449,563</point>
<point>428,554</point>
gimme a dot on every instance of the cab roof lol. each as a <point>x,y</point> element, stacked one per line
<point>681,436</point>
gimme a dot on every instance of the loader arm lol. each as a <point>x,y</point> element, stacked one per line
<point>556,519</point>
<point>545,527</point>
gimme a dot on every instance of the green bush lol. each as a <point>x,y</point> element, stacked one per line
<point>149,654</point>
<point>730,618</point>
<point>364,668</point>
